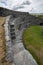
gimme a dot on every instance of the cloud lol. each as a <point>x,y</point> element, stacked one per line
<point>32,6</point>
<point>36,6</point>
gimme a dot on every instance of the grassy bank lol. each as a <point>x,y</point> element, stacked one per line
<point>33,42</point>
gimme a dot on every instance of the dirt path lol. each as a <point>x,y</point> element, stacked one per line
<point>2,43</point>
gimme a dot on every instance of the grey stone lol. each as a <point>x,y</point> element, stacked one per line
<point>9,57</point>
<point>15,49</point>
<point>24,58</point>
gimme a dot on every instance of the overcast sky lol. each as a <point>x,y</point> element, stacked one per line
<point>32,6</point>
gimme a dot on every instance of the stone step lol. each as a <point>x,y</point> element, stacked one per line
<point>12,30</point>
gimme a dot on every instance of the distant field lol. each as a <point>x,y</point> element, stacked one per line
<point>40,16</point>
<point>33,42</point>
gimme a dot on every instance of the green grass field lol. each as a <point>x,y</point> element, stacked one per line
<point>33,42</point>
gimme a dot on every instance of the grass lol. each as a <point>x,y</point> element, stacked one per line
<point>33,42</point>
<point>40,16</point>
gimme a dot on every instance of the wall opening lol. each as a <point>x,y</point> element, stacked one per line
<point>41,24</point>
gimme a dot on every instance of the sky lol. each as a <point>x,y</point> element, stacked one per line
<point>31,6</point>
